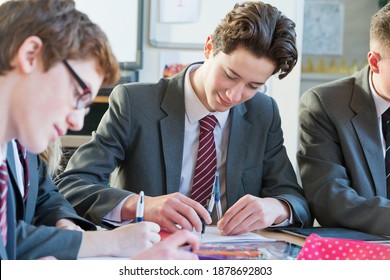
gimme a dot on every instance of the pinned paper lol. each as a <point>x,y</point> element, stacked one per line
<point>179,11</point>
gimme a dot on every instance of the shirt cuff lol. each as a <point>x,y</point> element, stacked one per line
<point>114,216</point>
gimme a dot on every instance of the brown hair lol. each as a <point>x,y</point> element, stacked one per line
<point>66,34</point>
<point>261,29</point>
<point>380,28</point>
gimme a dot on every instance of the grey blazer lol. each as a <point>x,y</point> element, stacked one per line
<point>44,205</point>
<point>341,159</point>
<point>140,138</point>
<point>25,241</point>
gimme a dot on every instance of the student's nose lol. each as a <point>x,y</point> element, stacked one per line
<point>75,120</point>
<point>234,94</point>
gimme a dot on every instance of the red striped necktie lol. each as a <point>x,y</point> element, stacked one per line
<point>26,173</point>
<point>3,202</point>
<point>206,163</point>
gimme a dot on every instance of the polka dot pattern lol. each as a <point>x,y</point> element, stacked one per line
<point>323,248</point>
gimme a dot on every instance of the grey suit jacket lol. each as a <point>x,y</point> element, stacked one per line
<point>44,205</point>
<point>140,138</point>
<point>341,159</point>
<point>25,241</point>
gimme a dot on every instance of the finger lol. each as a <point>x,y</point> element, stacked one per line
<point>197,207</point>
<point>239,221</point>
<point>170,216</point>
<point>155,238</point>
<point>170,227</point>
<point>231,213</point>
<point>186,216</point>
<point>183,237</point>
<point>246,224</point>
<point>189,215</point>
<point>152,226</point>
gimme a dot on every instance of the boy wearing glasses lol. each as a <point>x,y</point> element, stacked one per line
<point>53,60</point>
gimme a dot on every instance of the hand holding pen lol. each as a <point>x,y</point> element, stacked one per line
<point>140,207</point>
<point>217,196</point>
<point>215,200</point>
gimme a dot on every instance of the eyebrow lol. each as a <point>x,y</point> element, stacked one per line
<point>235,73</point>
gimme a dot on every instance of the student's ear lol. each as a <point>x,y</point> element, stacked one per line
<point>28,54</point>
<point>373,59</point>
<point>208,47</point>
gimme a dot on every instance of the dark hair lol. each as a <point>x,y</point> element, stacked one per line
<point>66,33</point>
<point>263,30</point>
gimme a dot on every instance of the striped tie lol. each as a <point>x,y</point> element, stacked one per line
<point>26,173</point>
<point>3,202</point>
<point>386,134</point>
<point>206,164</point>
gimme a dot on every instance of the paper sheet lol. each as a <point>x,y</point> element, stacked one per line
<point>213,234</point>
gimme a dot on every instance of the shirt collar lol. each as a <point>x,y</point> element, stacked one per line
<point>3,152</point>
<point>381,104</point>
<point>194,108</point>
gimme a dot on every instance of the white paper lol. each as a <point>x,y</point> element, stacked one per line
<point>213,235</point>
<point>179,11</point>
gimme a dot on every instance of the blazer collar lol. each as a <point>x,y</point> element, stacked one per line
<point>365,124</point>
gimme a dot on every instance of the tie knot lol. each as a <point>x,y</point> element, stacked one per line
<point>208,123</point>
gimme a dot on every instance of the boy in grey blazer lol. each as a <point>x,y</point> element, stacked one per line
<point>342,153</point>
<point>147,140</point>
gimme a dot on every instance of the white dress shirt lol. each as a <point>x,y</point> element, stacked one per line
<point>381,106</point>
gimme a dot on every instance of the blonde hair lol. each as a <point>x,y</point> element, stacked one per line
<point>53,156</point>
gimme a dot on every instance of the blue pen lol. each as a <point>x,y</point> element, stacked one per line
<point>217,196</point>
<point>140,208</point>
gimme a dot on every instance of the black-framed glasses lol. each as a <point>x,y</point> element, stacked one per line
<point>83,100</point>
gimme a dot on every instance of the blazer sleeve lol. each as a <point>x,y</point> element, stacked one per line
<point>280,179</point>
<point>49,200</point>
<point>37,242</point>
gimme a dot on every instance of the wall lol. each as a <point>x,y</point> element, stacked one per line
<point>357,16</point>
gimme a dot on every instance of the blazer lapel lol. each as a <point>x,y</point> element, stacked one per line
<point>365,124</point>
<point>31,200</point>
<point>236,146</point>
<point>172,131</point>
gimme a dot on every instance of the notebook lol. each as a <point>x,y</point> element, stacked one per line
<point>333,233</point>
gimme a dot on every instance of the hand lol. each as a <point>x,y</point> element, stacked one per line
<point>250,213</point>
<point>169,249</point>
<point>124,241</point>
<point>131,239</point>
<point>171,210</point>
<point>67,224</point>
